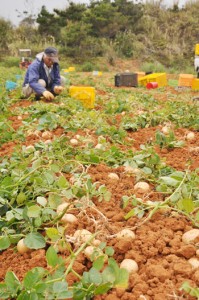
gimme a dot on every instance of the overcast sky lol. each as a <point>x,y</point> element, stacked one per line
<point>8,7</point>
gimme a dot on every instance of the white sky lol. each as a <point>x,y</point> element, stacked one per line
<point>8,7</point>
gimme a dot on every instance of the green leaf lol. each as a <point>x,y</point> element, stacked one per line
<point>55,168</point>
<point>107,196</point>
<point>52,257</point>
<point>12,282</point>
<point>42,201</point>
<point>60,290</point>
<point>49,177</point>
<point>35,241</point>
<point>33,211</point>
<point>9,216</point>
<point>95,276</point>
<point>125,200</point>
<point>109,251</point>
<point>62,182</point>
<point>103,288</point>
<point>21,197</point>
<point>7,181</point>
<point>130,214</point>
<point>26,295</point>
<point>175,197</point>
<point>53,234</point>
<point>170,181</point>
<point>108,275</point>
<point>4,242</point>
<point>33,276</point>
<point>4,293</point>
<point>186,205</point>
<point>122,279</point>
<point>99,263</point>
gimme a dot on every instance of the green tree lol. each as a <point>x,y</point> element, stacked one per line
<point>48,24</point>
<point>104,18</point>
<point>77,42</point>
<point>6,33</point>
<point>74,12</point>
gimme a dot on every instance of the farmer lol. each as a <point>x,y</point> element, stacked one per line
<point>43,76</point>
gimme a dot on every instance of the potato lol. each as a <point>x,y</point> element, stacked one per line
<point>113,176</point>
<point>189,236</point>
<point>194,262</point>
<point>142,187</point>
<point>190,136</point>
<point>46,135</point>
<point>131,170</point>
<point>130,265</point>
<point>165,129</point>
<point>74,142</point>
<point>99,146</point>
<point>61,207</point>
<point>21,247</point>
<point>126,234</point>
<point>82,235</point>
<point>69,218</point>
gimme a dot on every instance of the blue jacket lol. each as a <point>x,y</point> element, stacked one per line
<point>36,71</point>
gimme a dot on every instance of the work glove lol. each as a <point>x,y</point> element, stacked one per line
<point>58,89</point>
<point>48,95</point>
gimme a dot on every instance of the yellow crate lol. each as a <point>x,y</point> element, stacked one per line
<point>185,80</point>
<point>85,94</point>
<point>71,69</point>
<point>197,49</point>
<point>160,78</point>
<point>65,70</point>
<point>195,84</point>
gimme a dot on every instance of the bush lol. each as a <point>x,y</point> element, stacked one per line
<point>10,62</point>
<point>88,67</point>
<point>154,67</point>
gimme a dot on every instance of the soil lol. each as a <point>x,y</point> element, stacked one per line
<point>158,249</point>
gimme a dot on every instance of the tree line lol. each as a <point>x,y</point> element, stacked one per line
<point>119,28</point>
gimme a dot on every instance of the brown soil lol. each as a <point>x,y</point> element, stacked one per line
<point>158,249</point>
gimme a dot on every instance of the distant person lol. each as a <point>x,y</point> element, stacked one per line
<point>43,76</point>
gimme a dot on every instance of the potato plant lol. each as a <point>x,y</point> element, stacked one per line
<point>80,184</point>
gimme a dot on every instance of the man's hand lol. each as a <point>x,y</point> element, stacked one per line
<point>48,95</point>
<point>58,89</point>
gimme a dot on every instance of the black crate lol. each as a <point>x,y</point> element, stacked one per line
<point>126,79</point>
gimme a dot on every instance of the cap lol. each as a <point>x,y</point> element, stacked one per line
<point>52,53</point>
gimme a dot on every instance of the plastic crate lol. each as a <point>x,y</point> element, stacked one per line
<point>140,74</point>
<point>10,85</point>
<point>85,94</point>
<point>195,84</point>
<point>160,78</point>
<point>185,80</point>
<point>126,79</point>
<point>71,69</point>
<point>197,49</point>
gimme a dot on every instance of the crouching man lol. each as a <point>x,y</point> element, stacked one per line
<point>43,76</point>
